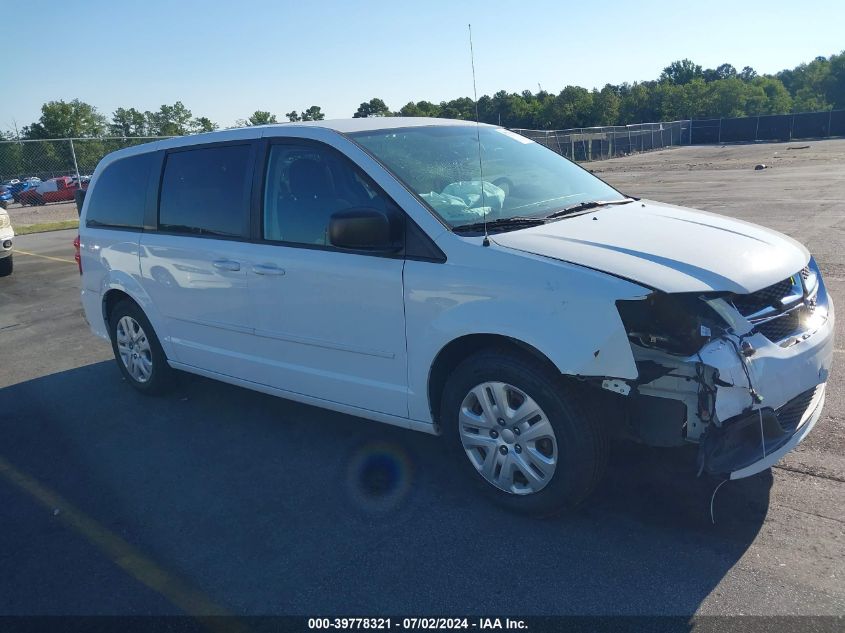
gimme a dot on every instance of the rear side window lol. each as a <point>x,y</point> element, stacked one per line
<point>205,191</point>
<point>120,193</point>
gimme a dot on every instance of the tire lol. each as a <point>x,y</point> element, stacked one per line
<point>577,443</point>
<point>138,351</point>
<point>6,266</point>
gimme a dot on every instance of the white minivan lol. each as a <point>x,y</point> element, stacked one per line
<point>459,280</point>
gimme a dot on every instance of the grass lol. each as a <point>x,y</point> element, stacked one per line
<point>46,226</point>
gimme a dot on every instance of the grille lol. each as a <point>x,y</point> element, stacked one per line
<point>789,415</point>
<point>769,296</point>
<point>781,327</point>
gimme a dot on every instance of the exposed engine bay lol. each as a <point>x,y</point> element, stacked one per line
<point>742,375</point>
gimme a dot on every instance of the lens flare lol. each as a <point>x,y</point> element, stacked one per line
<point>379,477</point>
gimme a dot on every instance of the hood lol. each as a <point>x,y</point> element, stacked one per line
<point>668,248</point>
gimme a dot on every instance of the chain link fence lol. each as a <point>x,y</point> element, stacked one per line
<point>598,143</point>
<point>31,161</point>
<point>59,157</point>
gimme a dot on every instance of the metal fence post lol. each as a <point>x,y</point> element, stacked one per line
<point>75,165</point>
<point>720,131</point>
<point>829,121</point>
<point>757,129</point>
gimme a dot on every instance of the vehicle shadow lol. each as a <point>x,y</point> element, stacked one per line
<point>272,507</point>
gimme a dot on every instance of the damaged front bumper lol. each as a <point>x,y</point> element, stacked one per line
<point>747,397</point>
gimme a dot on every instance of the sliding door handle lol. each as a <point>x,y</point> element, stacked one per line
<point>268,269</point>
<point>226,264</point>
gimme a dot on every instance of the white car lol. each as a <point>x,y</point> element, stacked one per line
<point>458,280</point>
<point>7,238</point>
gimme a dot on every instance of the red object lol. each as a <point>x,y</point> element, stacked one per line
<point>61,191</point>
<point>77,255</point>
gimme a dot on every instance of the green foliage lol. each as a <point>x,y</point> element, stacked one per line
<point>314,113</point>
<point>261,117</point>
<point>373,107</point>
<point>684,90</point>
<point>62,119</point>
<point>169,120</point>
<point>681,72</point>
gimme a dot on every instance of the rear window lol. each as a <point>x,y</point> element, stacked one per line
<point>120,193</point>
<point>205,191</point>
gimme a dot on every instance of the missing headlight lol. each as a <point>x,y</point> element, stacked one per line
<point>675,323</point>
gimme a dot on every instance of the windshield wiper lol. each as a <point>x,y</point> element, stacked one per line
<point>583,206</point>
<point>500,224</point>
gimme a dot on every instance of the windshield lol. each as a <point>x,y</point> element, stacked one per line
<point>521,178</point>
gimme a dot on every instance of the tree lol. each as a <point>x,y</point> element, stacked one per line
<point>170,120</point>
<point>373,107</point>
<point>261,117</point>
<point>834,83</point>
<point>606,104</point>
<point>293,116</point>
<point>681,72</point>
<point>66,119</point>
<point>128,122</point>
<point>421,109</point>
<point>314,113</point>
<point>203,124</point>
<point>748,73</point>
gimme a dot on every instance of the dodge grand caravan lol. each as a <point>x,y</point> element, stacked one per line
<point>457,280</point>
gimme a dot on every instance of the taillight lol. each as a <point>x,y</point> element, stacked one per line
<point>76,255</point>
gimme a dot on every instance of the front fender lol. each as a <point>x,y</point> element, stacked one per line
<point>565,311</point>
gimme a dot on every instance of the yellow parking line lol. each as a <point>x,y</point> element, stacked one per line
<point>55,259</point>
<point>125,555</point>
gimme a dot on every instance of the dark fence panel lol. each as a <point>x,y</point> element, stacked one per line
<point>772,127</point>
<point>705,131</point>
<point>837,123</point>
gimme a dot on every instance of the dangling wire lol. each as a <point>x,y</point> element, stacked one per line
<point>486,241</point>
<point>713,498</point>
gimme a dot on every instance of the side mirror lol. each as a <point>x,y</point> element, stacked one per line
<point>362,229</point>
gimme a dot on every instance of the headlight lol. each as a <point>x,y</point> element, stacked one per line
<point>674,323</point>
<point>810,275</point>
<point>5,222</point>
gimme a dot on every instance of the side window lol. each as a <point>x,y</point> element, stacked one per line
<point>120,193</point>
<point>305,186</point>
<point>205,191</point>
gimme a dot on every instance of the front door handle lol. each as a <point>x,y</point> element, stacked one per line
<point>226,264</point>
<point>268,269</point>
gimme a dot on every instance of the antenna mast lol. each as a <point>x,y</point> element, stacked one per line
<point>486,241</point>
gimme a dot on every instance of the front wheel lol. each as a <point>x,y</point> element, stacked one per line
<point>137,350</point>
<point>523,432</point>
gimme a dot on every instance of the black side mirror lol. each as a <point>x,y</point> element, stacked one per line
<point>362,229</point>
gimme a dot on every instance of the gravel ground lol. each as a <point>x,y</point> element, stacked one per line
<point>53,212</point>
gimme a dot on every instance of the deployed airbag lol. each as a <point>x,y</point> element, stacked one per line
<point>463,200</point>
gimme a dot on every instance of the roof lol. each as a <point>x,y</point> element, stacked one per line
<point>366,124</point>
<point>342,126</point>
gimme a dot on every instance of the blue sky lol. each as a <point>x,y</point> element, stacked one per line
<point>225,59</point>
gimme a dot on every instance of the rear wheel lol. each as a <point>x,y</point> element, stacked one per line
<point>137,350</point>
<point>522,432</point>
<point>6,266</point>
